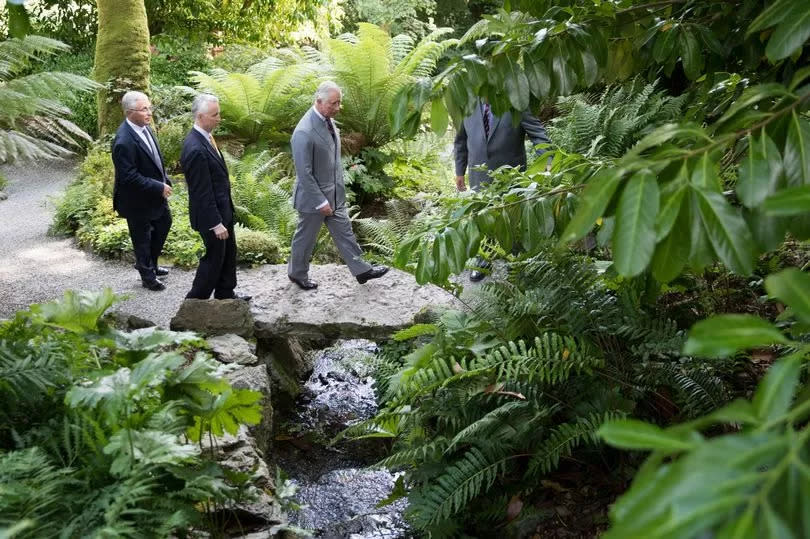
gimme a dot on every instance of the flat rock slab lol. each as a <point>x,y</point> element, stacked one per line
<point>340,307</point>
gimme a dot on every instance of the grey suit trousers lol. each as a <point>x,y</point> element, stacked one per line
<point>306,235</point>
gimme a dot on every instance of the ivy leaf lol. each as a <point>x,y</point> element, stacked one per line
<point>792,287</point>
<point>790,35</point>
<point>722,336</point>
<point>592,203</point>
<point>634,236</point>
<point>759,172</point>
<point>635,434</point>
<point>728,233</point>
<point>797,151</point>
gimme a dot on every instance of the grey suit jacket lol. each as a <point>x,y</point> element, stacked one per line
<point>318,169</point>
<point>505,145</point>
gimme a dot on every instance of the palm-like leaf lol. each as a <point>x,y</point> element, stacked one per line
<point>33,123</point>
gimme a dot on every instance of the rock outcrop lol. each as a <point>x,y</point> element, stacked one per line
<point>214,317</point>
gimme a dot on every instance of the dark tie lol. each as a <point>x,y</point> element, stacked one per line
<point>331,129</point>
<point>486,119</point>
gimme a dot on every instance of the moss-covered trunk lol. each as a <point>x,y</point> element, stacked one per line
<point>122,56</point>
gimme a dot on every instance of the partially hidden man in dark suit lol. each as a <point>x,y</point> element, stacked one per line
<point>319,194</point>
<point>492,141</point>
<point>210,206</point>
<point>142,187</point>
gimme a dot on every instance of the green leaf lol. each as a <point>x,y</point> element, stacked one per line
<point>672,253</point>
<point>424,267</point>
<point>563,75</point>
<point>753,95</point>
<point>592,203</point>
<point>515,81</point>
<point>724,335</point>
<point>790,35</point>
<point>775,13</point>
<point>701,253</point>
<point>727,232</point>
<point>737,411</point>
<point>77,311</point>
<point>634,236</point>
<point>760,171</point>
<point>671,200</point>
<point>776,390</point>
<point>544,214</point>
<point>691,54</point>
<point>635,434</point>
<point>537,73</point>
<point>590,69</point>
<point>792,287</point>
<point>664,46</point>
<point>797,151</point>
<point>457,248</point>
<point>705,175</point>
<point>438,116</point>
<point>788,202</point>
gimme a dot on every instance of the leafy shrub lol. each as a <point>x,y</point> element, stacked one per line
<point>173,59</point>
<point>100,430</point>
<point>238,57</point>
<point>84,194</point>
<point>421,165</point>
<point>255,247</point>
<point>171,134</point>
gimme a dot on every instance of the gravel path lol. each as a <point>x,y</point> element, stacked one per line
<point>37,268</point>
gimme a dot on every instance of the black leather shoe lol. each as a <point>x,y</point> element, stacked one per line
<point>476,276</point>
<point>306,284</point>
<point>161,271</point>
<point>373,273</point>
<point>155,286</point>
<point>243,297</point>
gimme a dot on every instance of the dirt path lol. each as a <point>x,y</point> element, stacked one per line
<point>36,267</point>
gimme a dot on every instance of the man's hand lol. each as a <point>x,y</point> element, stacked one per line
<point>167,190</point>
<point>221,232</point>
<point>460,185</point>
<point>326,210</point>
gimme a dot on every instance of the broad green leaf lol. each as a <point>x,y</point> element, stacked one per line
<point>788,202</point>
<point>424,267</point>
<point>544,214</point>
<point>471,231</point>
<point>753,95</point>
<point>515,81</point>
<point>701,253</point>
<point>759,171</point>
<point>438,116</point>
<point>665,133</point>
<point>791,287</point>
<point>737,411</point>
<point>775,13</point>
<point>768,231</point>
<point>671,199</point>
<point>724,335</point>
<point>665,43</point>
<point>76,311</point>
<point>776,390</point>
<point>705,176</point>
<point>672,253</point>
<point>441,264</point>
<point>399,109</point>
<point>797,151</point>
<point>691,55</point>
<point>790,35</point>
<point>565,80</point>
<point>457,249</point>
<point>592,203</point>
<point>727,232</point>
<point>476,70</point>
<point>537,73</point>
<point>634,236</point>
<point>503,230</point>
<point>635,434</point>
<point>590,69</point>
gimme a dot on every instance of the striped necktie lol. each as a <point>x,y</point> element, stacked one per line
<point>486,119</point>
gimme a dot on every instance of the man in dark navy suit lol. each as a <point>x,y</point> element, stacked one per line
<point>142,187</point>
<point>209,203</point>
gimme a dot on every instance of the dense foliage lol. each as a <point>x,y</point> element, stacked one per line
<point>102,431</point>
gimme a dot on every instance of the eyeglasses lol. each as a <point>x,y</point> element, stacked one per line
<point>144,109</point>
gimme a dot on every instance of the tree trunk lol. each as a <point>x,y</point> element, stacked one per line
<point>19,23</point>
<point>122,57</point>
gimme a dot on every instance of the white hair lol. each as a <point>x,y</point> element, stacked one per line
<point>131,98</point>
<point>325,88</point>
<point>201,103</point>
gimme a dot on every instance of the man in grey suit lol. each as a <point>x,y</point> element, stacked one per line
<point>319,194</point>
<point>493,141</point>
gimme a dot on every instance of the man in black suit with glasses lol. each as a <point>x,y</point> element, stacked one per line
<point>142,188</point>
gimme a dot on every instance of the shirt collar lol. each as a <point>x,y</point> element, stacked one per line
<point>135,127</point>
<point>321,116</point>
<point>205,133</point>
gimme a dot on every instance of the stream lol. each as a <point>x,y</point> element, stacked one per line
<point>336,492</point>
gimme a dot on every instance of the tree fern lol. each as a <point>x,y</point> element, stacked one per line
<point>33,123</point>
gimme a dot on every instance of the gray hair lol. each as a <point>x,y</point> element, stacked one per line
<point>131,99</point>
<point>325,88</point>
<point>200,104</point>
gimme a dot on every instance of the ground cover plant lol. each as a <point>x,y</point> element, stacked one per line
<point>101,431</point>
